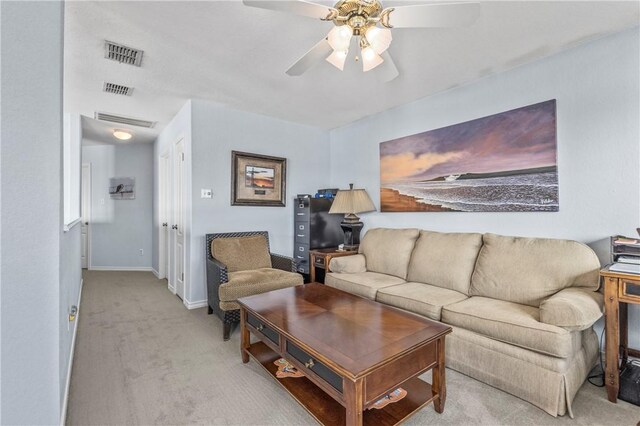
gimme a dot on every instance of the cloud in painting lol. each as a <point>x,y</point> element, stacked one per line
<point>405,165</point>
<point>512,140</point>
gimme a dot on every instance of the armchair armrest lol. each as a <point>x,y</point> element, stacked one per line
<point>572,308</point>
<point>217,274</point>
<point>349,264</point>
<point>284,263</point>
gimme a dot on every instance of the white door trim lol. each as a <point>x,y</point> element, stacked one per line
<point>86,166</point>
<point>179,240</point>
<point>164,216</point>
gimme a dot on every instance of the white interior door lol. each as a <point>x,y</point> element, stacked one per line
<point>86,214</point>
<point>164,167</point>
<point>178,218</point>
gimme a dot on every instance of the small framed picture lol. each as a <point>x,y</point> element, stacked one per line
<point>258,180</point>
<point>122,188</point>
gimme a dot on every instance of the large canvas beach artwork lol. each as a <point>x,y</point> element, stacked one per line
<point>505,162</point>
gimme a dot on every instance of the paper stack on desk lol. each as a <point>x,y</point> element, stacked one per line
<point>627,268</point>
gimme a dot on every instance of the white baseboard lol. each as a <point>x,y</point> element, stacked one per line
<point>156,273</point>
<point>122,268</point>
<point>195,305</point>
<point>65,401</point>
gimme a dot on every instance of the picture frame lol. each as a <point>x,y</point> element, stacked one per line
<point>258,180</point>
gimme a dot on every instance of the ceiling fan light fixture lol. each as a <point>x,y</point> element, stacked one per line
<point>339,37</point>
<point>370,59</point>
<point>338,58</point>
<point>379,38</point>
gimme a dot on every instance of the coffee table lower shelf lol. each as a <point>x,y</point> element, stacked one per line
<point>328,411</point>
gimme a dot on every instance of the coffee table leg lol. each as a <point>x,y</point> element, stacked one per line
<point>245,341</point>
<point>354,397</point>
<point>439,385</point>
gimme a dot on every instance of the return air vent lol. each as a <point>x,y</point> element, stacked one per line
<point>105,116</point>
<point>117,89</point>
<point>122,53</point>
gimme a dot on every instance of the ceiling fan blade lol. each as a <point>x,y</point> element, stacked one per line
<point>298,7</point>
<point>387,70</point>
<point>431,15</point>
<point>317,53</point>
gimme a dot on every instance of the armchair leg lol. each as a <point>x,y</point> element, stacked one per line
<point>226,332</point>
<point>209,310</point>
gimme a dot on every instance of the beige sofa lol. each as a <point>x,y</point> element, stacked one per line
<point>521,309</point>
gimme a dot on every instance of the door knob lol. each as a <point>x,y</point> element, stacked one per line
<point>174,227</point>
<point>86,223</point>
<point>165,224</point>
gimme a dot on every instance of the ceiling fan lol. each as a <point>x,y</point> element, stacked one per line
<point>370,24</point>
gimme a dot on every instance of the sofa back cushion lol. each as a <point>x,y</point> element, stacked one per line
<point>445,259</point>
<point>528,270</point>
<point>388,251</point>
<point>242,253</point>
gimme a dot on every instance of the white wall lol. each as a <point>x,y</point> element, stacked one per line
<point>34,266</point>
<point>597,89</point>
<point>216,131</point>
<point>211,131</point>
<point>120,228</point>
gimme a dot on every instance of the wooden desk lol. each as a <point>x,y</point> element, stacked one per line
<point>620,289</point>
<point>320,258</point>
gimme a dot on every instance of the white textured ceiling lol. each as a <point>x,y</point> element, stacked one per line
<point>226,52</point>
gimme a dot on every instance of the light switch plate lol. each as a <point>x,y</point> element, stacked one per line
<point>206,193</point>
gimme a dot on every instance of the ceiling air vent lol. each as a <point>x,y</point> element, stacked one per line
<point>117,89</point>
<point>122,53</point>
<point>105,116</point>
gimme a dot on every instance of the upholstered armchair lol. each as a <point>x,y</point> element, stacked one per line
<point>240,264</point>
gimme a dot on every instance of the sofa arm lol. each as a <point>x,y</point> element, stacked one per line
<point>284,263</point>
<point>349,264</point>
<point>572,308</point>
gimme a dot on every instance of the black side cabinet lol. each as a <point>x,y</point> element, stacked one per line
<point>314,228</point>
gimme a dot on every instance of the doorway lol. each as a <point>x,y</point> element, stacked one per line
<point>85,212</point>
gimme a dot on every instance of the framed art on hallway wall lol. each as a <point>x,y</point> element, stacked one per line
<point>506,162</point>
<point>258,180</point>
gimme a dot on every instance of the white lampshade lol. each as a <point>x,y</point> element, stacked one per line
<point>379,38</point>
<point>352,201</point>
<point>339,37</point>
<point>370,59</point>
<point>338,58</point>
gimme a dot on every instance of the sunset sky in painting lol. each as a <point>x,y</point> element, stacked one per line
<point>522,138</point>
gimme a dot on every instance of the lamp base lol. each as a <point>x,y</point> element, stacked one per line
<point>351,231</point>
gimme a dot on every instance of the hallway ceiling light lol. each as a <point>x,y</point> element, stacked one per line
<point>123,135</point>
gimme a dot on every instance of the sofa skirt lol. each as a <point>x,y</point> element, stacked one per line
<point>545,381</point>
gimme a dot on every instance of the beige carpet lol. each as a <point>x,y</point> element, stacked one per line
<point>143,358</point>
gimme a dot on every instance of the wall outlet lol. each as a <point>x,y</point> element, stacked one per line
<point>141,252</point>
<point>206,193</point>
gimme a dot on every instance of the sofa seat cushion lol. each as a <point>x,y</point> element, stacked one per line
<point>445,259</point>
<point>257,281</point>
<point>365,284</point>
<point>388,251</point>
<point>419,298</point>
<point>242,253</point>
<point>512,323</point>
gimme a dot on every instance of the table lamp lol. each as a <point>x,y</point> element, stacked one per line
<point>351,202</point>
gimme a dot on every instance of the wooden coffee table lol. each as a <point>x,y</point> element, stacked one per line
<point>353,352</point>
